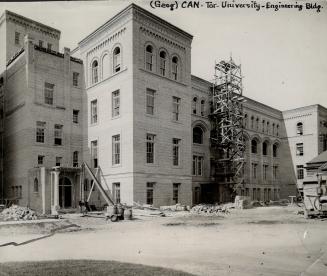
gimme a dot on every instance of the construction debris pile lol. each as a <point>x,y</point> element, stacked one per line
<point>176,207</point>
<point>212,209</point>
<point>16,212</point>
<point>146,210</point>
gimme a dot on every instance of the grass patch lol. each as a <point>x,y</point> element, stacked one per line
<point>84,267</point>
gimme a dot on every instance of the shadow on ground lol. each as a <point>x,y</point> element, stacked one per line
<point>85,267</point>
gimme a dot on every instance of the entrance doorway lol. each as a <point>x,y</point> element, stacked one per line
<point>65,193</point>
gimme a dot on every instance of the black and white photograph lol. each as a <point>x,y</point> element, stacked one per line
<point>163,138</point>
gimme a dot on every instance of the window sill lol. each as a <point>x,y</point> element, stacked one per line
<point>176,121</point>
<point>151,164</point>
<point>154,116</point>
<point>116,117</point>
<point>160,76</point>
<point>107,78</point>
<point>116,165</point>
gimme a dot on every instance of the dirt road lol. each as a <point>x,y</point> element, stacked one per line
<point>260,241</point>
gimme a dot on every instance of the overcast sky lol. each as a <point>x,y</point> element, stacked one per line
<point>283,53</point>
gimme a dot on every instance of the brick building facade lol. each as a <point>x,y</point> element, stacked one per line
<point>130,108</point>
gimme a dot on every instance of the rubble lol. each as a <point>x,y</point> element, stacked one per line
<point>212,209</point>
<point>146,210</point>
<point>16,212</point>
<point>176,207</point>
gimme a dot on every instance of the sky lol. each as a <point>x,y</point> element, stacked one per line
<point>283,53</point>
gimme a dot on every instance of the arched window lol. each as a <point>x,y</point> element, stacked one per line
<point>263,126</point>
<point>264,148</point>
<point>163,56</point>
<point>149,57</point>
<point>197,135</point>
<point>36,185</point>
<point>299,128</point>
<point>252,122</point>
<point>194,105</point>
<point>273,129</point>
<point>116,60</point>
<point>105,66</point>
<point>75,159</point>
<point>202,107</point>
<point>174,69</point>
<point>257,123</point>
<point>95,70</point>
<point>254,146</point>
<point>277,130</point>
<point>245,120</point>
<point>275,150</point>
<point>267,128</point>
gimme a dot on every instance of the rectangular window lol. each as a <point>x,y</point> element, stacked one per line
<point>176,146</point>
<point>299,149</point>
<point>58,161</point>
<point>40,43</point>
<point>197,165</point>
<point>116,192</point>
<point>75,159</point>
<point>94,153</point>
<point>162,66</point>
<point>40,128</point>
<point>194,165</point>
<point>200,165</point>
<point>265,172</point>
<point>58,135</point>
<point>275,172</point>
<point>300,172</point>
<point>149,192</point>
<point>17,36</point>
<point>254,170</point>
<point>174,70</point>
<point>176,106</point>
<point>49,46</point>
<point>115,103</point>
<point>176,192</point>
<point>148,61</point>
<point>40,159</point>
<point>116,149</point>
<point>75,116</point>
<point>150,140</point>
<point>48,93</point>
<point>150,101</point>
<point>75,79</point>
<point>94,112</point>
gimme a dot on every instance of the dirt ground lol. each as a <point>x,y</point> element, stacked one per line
<point>260,241</point>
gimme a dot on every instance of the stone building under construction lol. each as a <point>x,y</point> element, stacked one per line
<point>125,103</point>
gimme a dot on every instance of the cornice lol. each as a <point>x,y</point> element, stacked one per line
<point>112,38</point>
<point>136,13</point>
<point>156,35</point>
<point>31,24</point>
<point>139,12</point>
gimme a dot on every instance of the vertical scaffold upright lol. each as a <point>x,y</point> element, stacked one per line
<point>227,137</point>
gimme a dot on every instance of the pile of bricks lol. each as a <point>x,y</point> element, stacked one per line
<point>16,212</point>
<point>211,209</point>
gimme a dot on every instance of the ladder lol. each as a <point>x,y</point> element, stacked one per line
<point>96,182</point>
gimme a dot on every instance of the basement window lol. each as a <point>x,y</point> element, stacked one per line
<point>149,192</point>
